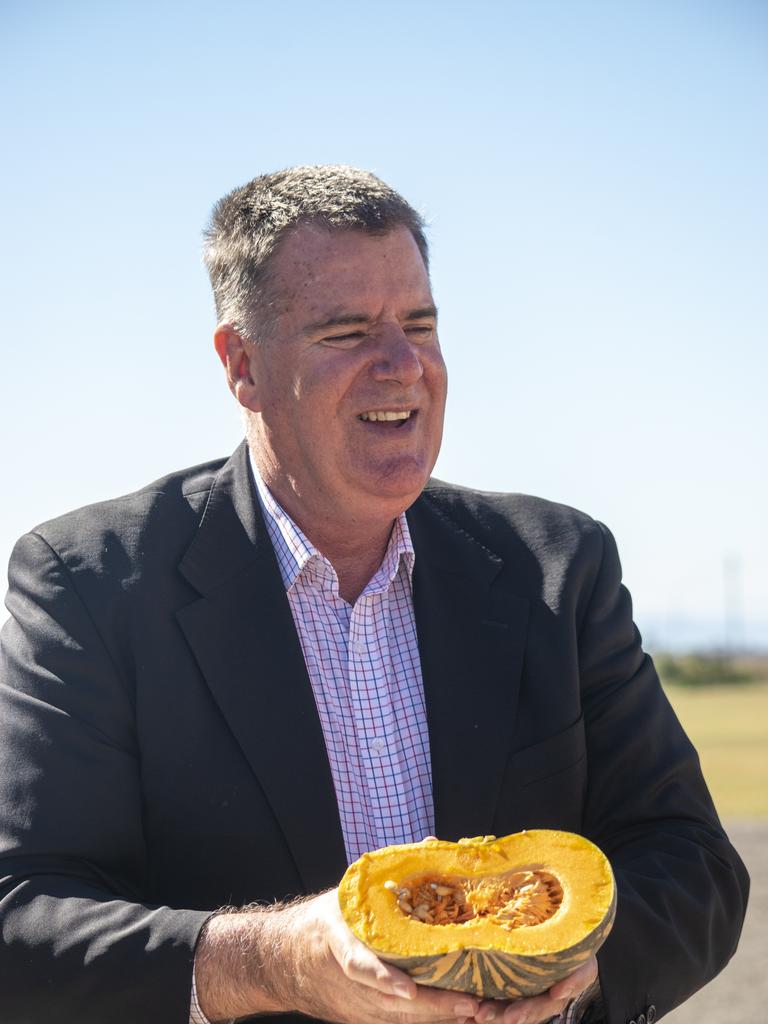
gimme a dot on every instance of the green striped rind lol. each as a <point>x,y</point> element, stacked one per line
<point>494,974</point>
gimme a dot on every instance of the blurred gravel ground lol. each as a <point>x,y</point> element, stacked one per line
<point>739,995</point>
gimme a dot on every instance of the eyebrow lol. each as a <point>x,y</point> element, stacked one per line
<point>422,314</point>
<point>348,319</point>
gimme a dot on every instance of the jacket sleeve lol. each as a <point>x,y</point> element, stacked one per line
<point>682,889</point>
<point>77,933</point>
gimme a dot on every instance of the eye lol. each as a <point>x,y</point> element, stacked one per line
<point>421,332</point>
<point>348,340</point>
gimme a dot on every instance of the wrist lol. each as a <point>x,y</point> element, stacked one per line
<point>240,964</point>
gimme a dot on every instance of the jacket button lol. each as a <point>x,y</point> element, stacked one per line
<point>651,1014</point>
<point>641,1019</point>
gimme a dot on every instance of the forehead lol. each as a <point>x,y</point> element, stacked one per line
<point>315,269</point>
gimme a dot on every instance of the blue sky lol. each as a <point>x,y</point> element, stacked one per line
<point>594,175</point>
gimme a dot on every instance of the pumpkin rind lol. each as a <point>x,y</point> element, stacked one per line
<point>484,956</point>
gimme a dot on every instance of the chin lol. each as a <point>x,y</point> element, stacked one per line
<point>401,486</point>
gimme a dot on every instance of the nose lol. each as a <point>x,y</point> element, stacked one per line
<point>396,357</point>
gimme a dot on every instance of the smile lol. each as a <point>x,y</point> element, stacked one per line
<point>385,417</point>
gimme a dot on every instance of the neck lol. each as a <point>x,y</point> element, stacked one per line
<point>355,566</point>
<point>355,554</point>
<point>354,545</point>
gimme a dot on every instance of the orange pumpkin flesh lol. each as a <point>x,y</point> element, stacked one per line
<point>499,918</point>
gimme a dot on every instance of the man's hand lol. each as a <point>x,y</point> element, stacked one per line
<point>304,958</point>
<point>537,1009</point>
<point>355,986</point>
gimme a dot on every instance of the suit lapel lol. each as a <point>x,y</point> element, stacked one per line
<point>472,631</point>
<point>242,634</point>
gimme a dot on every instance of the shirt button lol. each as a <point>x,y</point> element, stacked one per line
<point>357,647</point>
<point>377,747</point>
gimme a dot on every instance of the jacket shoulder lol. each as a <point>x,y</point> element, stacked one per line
<point>164,513</point>
<point>498,520</point>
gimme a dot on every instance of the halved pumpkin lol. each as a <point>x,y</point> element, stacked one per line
<point>500,918</point>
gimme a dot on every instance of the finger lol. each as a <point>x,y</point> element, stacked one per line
<point>442,1003</point>
<point>357,961</point>
<point>577,982</point>
<point>361,965</point>
<point>490,1009</point>
<point>533,1010</point>
<point>434,1006</point>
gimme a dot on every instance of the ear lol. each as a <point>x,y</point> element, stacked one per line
<point>235,353</point>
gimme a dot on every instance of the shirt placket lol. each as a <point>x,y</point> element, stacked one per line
<point>370,672</point>
<point>352,795</point>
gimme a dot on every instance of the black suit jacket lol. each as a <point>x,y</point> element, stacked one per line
<point>161,755</point>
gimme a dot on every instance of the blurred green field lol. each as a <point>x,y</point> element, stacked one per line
<point>729,727</point>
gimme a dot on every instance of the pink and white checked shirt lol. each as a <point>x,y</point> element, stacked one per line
<point>363,664</point>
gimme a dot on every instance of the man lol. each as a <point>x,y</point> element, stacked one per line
<point>219,690</point>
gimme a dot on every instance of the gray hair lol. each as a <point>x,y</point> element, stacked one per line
<point>248,224</point>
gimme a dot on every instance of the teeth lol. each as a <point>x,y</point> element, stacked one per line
<point>385,416</point>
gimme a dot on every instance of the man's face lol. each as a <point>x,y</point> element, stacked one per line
<point>349,385</point>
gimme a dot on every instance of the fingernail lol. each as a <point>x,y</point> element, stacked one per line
<point>464,1009</point>
<point>402,990</point>
<point>489,1013</point>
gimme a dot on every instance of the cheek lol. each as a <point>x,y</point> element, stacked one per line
<point>434,366</point>
<point>438,381</point>
<point>325,386</point>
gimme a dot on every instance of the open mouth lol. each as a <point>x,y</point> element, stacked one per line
<point>388,418</point>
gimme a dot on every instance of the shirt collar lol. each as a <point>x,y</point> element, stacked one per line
<point>298,557</point>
